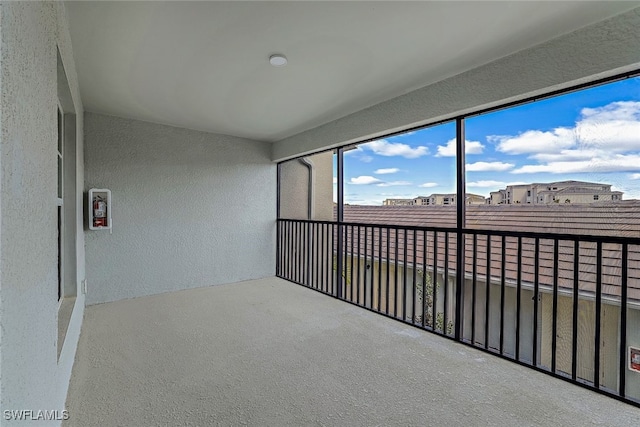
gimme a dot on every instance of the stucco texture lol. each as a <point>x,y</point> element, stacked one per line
<point>32,377</point>
<point>190,209</point>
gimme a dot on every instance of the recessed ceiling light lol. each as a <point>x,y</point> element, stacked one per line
<point>278,60</point>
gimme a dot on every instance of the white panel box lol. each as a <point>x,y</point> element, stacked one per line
<point>100,209</point>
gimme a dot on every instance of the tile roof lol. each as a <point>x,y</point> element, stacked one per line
<point>603,219</point>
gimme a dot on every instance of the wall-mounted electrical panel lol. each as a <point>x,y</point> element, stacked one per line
<point>100,209</point>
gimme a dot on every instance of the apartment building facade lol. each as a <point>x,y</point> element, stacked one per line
<point>578,192</point>
<point>436,199</point>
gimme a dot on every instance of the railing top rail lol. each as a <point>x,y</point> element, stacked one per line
<point>487,232</point>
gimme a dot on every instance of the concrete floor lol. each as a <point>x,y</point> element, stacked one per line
<point>268,352</point>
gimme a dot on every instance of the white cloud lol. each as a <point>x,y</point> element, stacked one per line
<point>335,180</point>
<point>382,147</point>
<point>535,141</point>
<point>567,155</point>
<point>364,180</point>
<point>358,153</point>
<point>615,126</point>
<point>634,176</point>
<point>603,139</point>
<point>488,166</point>
<point>490,183</point>
<point>616,163</point>
<point>428,185</point>
<point>393,183</point>
<point>386,171</point>
<point>449,150</point>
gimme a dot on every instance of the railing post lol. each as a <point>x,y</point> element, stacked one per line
<point>460,225</point>
<point>278,224</point>
<point>340,220</point>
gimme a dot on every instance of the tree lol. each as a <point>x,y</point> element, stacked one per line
<point>428,306</point>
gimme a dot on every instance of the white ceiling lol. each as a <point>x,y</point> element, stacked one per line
<point>204,65</point>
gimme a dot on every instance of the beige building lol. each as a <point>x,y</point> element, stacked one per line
<point>579,192</point>
<point>447,199</point>
<point>435,200</point>
<point>306,187</point>
<point>397,202</point>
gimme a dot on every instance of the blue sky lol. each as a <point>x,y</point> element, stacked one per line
<point>589,135</point>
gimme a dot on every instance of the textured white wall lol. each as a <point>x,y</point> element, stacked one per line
<point>31,376</point>
<point>189,208</point>
<point>603,49</point>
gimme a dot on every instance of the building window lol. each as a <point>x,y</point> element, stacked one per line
<point>596,197</point>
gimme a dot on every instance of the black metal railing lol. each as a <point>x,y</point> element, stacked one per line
<point>558,303</point>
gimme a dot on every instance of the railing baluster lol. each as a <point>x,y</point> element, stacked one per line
<point>518,297</point>
<point>536,290</point>
<point>415,273</point>
<point>316,244</point>
<point>278,246</point>
<point>446,284</point>
<point>287,251</point>
<point>351,269</point>
<point>404,278</point>
<point>301,253</point>
<point>423,313</point>
<point>310,260</point>
<point>358,271</point>
<point>623,321</point>
<point>303,244</point>
<point>335,278</point>
<point>365,270</point>
<point>298,251</point>
<point>388,271</point>
<point>434,285</point>
<point>395,277</point>
<point>554,331</point>
<point>596,356</point>
<point>380,268</point>
<point>574,332</point>
<point>328,275</point>
<point>474,284</point>
<point>292,258</point>
<point>488,294</point>
<point>323,265</point>
<point>285,248</point>
<point>503,273</point>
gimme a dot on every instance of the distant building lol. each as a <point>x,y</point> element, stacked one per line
<point>447,199</point>
<point>578,192</point>
<point>435,200</point>
<point>397,202</point>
